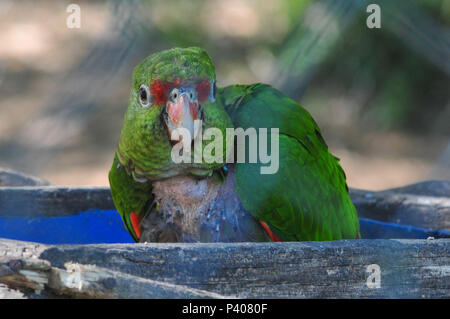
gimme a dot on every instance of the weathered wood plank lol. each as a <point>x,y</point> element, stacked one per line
<point>436,188</point>
<point>9,177</point>
<point>7,293</point>
<point>338,269</point>
<point>96,282</point>
<point>425,205</point>
<point>21,269</point>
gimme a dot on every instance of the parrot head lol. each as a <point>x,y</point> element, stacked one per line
<point>170,90</point>
<point>175,83</point>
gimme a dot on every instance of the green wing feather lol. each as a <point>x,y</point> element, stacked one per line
<point>307,199</point>
<point>128,195</point>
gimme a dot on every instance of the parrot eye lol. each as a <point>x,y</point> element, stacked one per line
<point>144,95</point>
<point>192,94</point>
<point>174,94</point>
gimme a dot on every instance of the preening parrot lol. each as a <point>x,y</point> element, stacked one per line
<point>161,200</point>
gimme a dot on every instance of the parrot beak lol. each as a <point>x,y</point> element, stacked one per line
<point>182,112</point>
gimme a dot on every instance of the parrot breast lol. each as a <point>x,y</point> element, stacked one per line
<point>192,210</point>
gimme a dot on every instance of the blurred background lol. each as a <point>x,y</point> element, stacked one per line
<point>380,96</point>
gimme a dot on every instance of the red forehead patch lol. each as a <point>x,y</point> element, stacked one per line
<point>160,90</point>
<point>203,90</point>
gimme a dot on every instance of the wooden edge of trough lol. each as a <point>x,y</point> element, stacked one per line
<point>383,268</point>
<point>9,177</point>
<point>425,205</point>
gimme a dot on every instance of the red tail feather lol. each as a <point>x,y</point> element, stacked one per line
<point>271,234</point>
<point>135,221</point>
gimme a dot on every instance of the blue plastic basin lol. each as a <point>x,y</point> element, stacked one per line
<point>105,226</point>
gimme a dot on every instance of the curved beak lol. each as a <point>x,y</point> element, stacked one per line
<point>181,114</point>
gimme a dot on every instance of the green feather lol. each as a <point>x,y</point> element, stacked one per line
<point>128,195</point>
<point>307,199</point>
<point>144,151</point>
<point>144,147</point>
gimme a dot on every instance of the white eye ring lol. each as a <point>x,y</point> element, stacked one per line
<point>144,95</point>
<point>192,94</point>
<point>174,94</point>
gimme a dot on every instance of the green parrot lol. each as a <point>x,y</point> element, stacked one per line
<point>206,200</point>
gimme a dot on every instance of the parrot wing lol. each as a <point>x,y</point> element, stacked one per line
<point>131,198</point>
<point>307,198</point>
